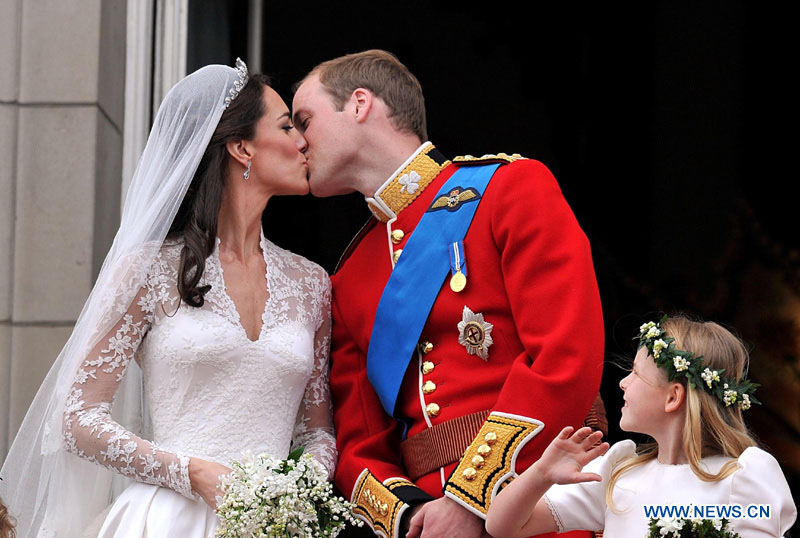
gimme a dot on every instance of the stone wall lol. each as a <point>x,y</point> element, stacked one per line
<point>62,71</point>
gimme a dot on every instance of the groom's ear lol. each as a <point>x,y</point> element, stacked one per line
<point>361,101</point>
<point>240,151</point>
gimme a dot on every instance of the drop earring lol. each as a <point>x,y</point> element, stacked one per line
<point>247,172</point>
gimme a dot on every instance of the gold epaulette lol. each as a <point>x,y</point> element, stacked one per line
<point>489,461</point>
<point>489,158</point>
<point>377,505</point>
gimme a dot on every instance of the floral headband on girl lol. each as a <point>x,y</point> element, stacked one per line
<point>678,362</point>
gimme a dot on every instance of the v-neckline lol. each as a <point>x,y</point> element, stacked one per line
<point>232,304</point>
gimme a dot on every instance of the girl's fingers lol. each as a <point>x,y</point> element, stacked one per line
<point>586,477</point>
<point>590,453</point>
<point>586,437</point>
<point>597,451</point>
<point>593,439</point>
<point>565,433</point>
<point>582,434</point>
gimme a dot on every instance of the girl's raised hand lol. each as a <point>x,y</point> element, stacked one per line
<point>563,459</point>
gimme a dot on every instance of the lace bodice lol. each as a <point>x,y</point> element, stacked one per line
<point>211,392</point>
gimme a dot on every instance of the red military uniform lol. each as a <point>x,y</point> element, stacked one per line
<point>530,276</point>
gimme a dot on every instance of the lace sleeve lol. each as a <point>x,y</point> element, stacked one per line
<point>89,430</point>
<point>314,427</point>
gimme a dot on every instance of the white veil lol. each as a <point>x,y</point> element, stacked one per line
<point>50,492</point>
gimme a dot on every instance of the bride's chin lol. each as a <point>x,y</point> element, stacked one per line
<point>303,188</point>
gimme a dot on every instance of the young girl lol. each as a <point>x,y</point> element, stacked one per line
<point>687,392</point>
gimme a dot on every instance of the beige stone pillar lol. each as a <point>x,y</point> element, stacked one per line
<point>62,70</point>
<point>10,13</point>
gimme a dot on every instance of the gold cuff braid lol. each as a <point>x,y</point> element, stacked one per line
<point>377,505</point>
<point>489,461</point>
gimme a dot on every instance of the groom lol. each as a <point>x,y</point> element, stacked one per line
<point>467,322</point>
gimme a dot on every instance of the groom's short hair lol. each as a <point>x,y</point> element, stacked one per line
<point>384,75</point>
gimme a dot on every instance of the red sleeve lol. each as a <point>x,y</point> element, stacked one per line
<point>549,279</point>
<point>549,276</point>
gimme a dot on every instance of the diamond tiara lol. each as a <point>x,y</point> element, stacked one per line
<point>241,73</point>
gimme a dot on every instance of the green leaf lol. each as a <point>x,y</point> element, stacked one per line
<point>295,454</point>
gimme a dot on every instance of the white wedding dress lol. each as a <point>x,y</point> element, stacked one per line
<point>210,391</point>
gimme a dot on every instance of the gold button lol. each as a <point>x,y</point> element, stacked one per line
<point>477,461</point>
<point>426,347</point>
<point>428,387</point>
<point>396,254</point>
<point>427,367</point>
<point>470,473</point>
<point>432,409</point>
<point>490,438</point>
<point>397,236</point>
<point>384,509</point>
<point>484,450</point>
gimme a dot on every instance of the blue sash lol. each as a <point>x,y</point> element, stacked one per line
<point>417,279</point>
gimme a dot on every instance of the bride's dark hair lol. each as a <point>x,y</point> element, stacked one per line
<point>196,221</point>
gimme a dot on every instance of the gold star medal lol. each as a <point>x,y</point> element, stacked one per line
<point>475,334</point>
<point>458,267</point>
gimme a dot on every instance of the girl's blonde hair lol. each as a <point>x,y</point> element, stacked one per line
<point>6,523</point>
<point>710,427</point>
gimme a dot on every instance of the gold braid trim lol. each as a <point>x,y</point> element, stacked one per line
<point>489,158</point>
<point>394,483</point>
<point>489,461</point>
<point>398,196</point>
<point>377,505</point>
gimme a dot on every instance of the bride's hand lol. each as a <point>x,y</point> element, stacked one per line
<point>563,459</point>
<point>204,476</point>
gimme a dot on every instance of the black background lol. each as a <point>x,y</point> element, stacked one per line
<point>669,125</point>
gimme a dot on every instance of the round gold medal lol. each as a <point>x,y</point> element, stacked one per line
<point>458,282</point>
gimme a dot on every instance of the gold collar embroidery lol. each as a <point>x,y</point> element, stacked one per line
<point>407,183</point>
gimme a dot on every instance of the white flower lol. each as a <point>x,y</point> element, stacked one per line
<point>409,182</point>
<point>119,343</point>
<point>670,526</point>
<point>745,403</point>
<point>658,346</point>
<point>650,330</point>
<point>709,376</point>
<point>269,497</point>
<point>729,397</point>
<point>681,363</point>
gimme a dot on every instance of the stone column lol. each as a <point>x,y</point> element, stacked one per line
<point>62,67</point>
<point>10,15</point>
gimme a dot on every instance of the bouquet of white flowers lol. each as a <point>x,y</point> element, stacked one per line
<point>266,497</point>
<point>689,528</point>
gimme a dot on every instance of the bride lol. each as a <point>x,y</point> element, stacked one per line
<point>199,330</point>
